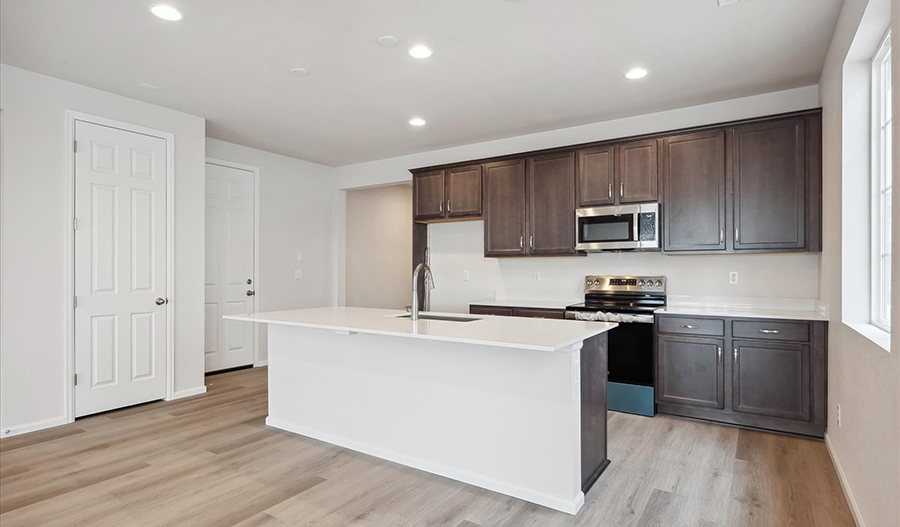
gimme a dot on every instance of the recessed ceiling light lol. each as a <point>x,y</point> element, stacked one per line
<point>166,12</point>
<point>148,86</point>
<point>420,51</point>
<point>636,73</point>
<point>387,41</point>
<point>299,72</point>
<point>417,121</point>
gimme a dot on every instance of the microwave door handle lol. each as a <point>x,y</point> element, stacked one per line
<point>635,227</point>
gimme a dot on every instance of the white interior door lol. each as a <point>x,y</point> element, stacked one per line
<point>229,266</point>
<point>120,268</point>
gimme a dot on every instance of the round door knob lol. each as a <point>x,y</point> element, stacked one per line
<point>251,293</point>
<point>160,301</point>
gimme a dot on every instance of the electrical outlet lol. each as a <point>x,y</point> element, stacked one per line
<point>839,415</point>
<point>298,273</point>
<point>537,276</point>
<point>733,277</point>
<point>465,275</point>
<point>299,257</point>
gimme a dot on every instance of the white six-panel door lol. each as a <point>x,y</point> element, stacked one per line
<point>120,268</point>
<point>229,266</point>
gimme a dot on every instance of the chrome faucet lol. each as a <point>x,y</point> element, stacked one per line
<point>429,280</point>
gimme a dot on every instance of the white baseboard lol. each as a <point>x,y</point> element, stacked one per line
<point>503,487</point>
<point>854,508</point>
<point>261,364</point>
<point>189,392</point>
<point>33,427</point>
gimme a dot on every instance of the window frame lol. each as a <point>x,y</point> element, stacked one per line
<point>882,171</point>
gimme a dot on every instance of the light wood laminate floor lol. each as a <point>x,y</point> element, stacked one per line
<point>210,461</point>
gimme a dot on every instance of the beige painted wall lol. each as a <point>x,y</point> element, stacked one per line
<point>862,377</point>
<point>379,245</point>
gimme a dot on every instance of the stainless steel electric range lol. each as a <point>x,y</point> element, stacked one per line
<point>630,301</point>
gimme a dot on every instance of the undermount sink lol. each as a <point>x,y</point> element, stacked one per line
<point>445,318</point>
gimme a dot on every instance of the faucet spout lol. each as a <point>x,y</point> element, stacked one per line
<point>414,314</point>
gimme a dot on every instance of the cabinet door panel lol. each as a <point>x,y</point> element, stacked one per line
<point>770,185</point>
<point>595,177</point>
<point>428,195</point>
<point>694,191</point>
<point>504,208</point>
<point>533,312</point>
<point>771,379</point>
<point>464,191</point>
<point>491,310</point>
<point>551,204</point>
<point>637,171</point>
<point>690,371</point>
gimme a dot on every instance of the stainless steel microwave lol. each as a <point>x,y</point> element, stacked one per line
<point>621,228</point>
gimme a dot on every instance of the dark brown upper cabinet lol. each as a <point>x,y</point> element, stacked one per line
<point>770,185</point>
<point>550,198</point>
<point>595,176</point>
<point>447,194</point>
<point>504,208</point>
<point>463,190</point>
<point>618,174</point>
<point>428,195</point>
<point>694,192</point>
<point>637,171</point>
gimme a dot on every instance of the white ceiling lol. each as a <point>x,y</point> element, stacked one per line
<point>499,68</point>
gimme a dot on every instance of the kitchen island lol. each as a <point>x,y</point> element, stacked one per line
<point>514,405</point>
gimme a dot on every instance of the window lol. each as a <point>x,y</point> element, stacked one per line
<point>881,185</point>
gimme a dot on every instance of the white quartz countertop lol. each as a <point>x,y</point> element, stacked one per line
<point>741,312</point>
<point>519,302</point>
<point>510,332</point>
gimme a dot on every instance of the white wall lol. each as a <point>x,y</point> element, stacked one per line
<point>295,214</point>
<point>862,377</point>
<point>34,230</point>
<point>456,247</point>
<point>379,247</point>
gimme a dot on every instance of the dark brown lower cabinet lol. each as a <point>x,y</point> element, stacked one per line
<point>765,374</point>
<point>690,371</point>
<point>491,310</point>
<point>507,311</point>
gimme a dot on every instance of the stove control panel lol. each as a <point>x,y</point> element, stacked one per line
<point>625,284</point>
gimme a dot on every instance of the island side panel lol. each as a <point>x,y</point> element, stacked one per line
<point>594,372</point>
<point>505,419</point>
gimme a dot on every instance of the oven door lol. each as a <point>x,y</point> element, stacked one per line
<point>628,227</point>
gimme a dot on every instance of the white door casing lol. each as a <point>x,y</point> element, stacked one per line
<point>230,232</point>
<point>120,268</point>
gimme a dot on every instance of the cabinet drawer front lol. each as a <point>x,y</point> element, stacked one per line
<point>491,310</point>
<point>539,313</point>
<point>771,379</point>
<point>757,329</point>
<point>692,326</point>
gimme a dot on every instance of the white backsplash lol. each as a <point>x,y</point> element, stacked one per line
<point>775,281</point>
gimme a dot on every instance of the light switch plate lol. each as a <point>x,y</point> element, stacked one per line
<point>299,257</point>
<point>298,273</point>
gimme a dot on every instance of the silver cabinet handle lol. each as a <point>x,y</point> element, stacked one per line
<point>689,326</point>
<point>449,210</point>
<point>531,241</point>
<point>737,235</point>
<point>441,206</point>
<point>722,235</point>
<point>521,242</point>
<point>719,350</point>
<point>160,301</point>
<point>621,189</point>
<point>770,331</point>
<point>735,356</point>
<point>610,191</point>
<point>250,293</point>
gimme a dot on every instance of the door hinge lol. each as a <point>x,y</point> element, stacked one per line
<point>74,301</point>
<point>75,146</point>
<point>76,379</point>
<point>74,224</point>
